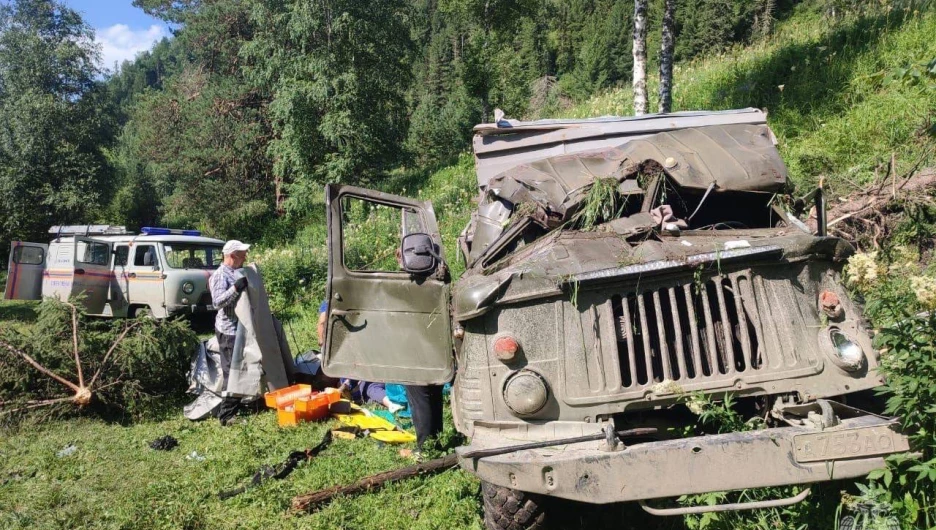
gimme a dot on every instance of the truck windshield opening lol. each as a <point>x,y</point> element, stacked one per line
<point>193,256</point>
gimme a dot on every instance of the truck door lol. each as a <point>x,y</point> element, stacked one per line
<point>384,323</point>
<point>92,272</point>
<point>24,271</point>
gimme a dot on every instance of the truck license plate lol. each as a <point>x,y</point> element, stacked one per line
<point>851,443</point>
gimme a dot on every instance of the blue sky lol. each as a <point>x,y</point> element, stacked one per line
<point>121,29</point>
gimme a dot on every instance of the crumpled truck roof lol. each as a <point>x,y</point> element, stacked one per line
<point>737,157</point>
<point>501,146</point>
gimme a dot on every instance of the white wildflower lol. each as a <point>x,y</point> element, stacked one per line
<point>667,386</point>
<point>863,270</point>
<point>905,260</point>
<point>696,405</point>
<point>924,288</point>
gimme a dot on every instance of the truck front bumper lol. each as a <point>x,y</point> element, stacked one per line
<point>771,457</point>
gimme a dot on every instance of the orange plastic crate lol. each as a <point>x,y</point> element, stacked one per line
<point>285,397</point>
<point>314,407</point>
<point>289,416</point>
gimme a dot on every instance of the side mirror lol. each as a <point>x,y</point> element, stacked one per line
<point>420,255</point>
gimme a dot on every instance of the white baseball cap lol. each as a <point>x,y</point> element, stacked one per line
<point>233,246</point>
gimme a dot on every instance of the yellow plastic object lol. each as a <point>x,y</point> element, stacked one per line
<point>365,422</point>
<point>393,437</point>
<point>380,429</point>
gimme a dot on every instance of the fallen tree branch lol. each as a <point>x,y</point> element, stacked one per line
<point>310,501</point>
<point>74,319</point>
<point>32,362</point>
<point>110,351</point>
<point>37,404</point>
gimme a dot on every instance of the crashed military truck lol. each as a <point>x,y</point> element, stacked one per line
<point>577,344</point>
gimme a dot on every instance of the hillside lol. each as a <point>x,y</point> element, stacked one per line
<point>823,82</point>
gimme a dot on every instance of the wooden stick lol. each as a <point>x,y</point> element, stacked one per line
<point>32,362</point>
<point>37,404</point>
<point>110,351</point>
<point>893,169</point>
<point>310,501</point>
<point>74,315</point>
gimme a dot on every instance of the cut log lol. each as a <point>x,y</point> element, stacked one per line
<point>311,501</point>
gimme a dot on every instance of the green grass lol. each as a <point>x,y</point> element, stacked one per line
<point>820,81</point>
<point>114,480</point>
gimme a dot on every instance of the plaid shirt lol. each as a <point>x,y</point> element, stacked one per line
<point>224,297</point>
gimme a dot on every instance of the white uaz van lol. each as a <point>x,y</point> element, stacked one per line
<point>159,272</point>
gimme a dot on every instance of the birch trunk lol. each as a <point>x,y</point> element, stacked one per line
<point>640,57</point>
<point>666,56</point>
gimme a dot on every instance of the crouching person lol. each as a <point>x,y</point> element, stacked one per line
<point>365,392</point>
<point>227,284</point>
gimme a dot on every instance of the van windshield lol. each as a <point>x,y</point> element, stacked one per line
<point>192,256</point>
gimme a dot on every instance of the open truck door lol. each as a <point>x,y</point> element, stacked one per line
<point>92,272</point>
<point>388,290</point>
<point>24,271</point>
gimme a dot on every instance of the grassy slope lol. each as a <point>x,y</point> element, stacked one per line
<point>819,80</point>
<point>831,118</point>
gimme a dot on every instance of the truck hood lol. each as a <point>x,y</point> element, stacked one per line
<point>548,266</point>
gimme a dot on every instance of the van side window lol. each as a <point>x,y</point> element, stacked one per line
<point>120,256</point>
<point>145,256</point>
<point>93,253</point>
<point>25,255</point>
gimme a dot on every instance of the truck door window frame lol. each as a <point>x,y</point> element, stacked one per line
<point>409,216</point>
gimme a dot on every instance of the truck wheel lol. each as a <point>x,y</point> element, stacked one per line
<point>508,509</point>
<point>141,311</point>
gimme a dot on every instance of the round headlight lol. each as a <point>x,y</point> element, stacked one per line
<point>188,287</point>
<point>847,352</point>
<point>525,392</point>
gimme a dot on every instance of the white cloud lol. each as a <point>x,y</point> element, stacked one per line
<point>119,43</point>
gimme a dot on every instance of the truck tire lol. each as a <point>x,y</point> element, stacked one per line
<point>508,509</point>
<point>141,311</point>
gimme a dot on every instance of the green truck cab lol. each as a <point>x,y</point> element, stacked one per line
<point>574,345</point>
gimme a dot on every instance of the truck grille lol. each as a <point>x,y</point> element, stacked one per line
<point>730,325</point>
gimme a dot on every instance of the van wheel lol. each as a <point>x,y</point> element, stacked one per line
<point>508,509</point>
<point>141,312</point>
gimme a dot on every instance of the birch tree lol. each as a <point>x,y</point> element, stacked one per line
<point>640,57</point>
<point>666,56</point>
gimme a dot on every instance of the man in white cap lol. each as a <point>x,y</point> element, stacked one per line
<point>226,285</point>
